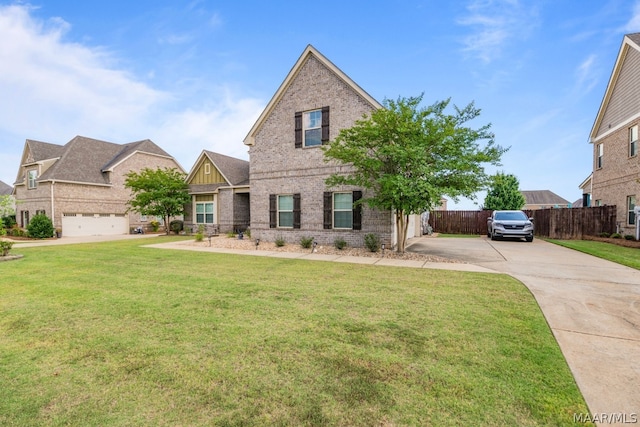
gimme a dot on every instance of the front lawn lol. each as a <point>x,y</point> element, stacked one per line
<point>619,254</point>
<point>116,334</point>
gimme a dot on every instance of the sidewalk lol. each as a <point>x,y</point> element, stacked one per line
<point>186,245</point>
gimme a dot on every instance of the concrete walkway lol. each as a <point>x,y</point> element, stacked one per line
<point>592,306</point>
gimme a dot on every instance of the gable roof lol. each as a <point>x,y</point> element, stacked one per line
<point>37,151</point>
<point>5,189</point>
<point>543,197</point>
<point>630,45</point>
<point>308,52</point>
<point>235,171</point>
<point>85,159</point>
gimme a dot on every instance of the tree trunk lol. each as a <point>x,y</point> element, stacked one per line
<point>402,224</point>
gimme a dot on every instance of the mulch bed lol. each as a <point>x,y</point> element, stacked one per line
<point>620,242</point>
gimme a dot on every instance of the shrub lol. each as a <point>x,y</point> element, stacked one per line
<point>616,236</point>
<point>176,226</point>
<point>280,241</point>
<point>9,221</point>
<point>40,227</point>
<point>17,231</point>
<point>3,232</point>
<point>155,225</point>
<point>247,232</point>
<point>5,247</point>
<point>306,242</point>
<point>340,243</point>
<point>200,233</point>
<point>372,242</point>
<point>231,234</point>
<point>604,234</point>
<point>629,237</point>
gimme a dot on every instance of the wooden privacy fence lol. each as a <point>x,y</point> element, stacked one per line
<point>564,223</point>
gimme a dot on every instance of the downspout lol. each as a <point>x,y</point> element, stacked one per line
<point>53,205</point>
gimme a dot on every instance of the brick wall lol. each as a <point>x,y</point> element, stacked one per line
<point>619,175</point>
<point>279,168</point>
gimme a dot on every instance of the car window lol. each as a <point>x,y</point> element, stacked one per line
<point>511,216</point>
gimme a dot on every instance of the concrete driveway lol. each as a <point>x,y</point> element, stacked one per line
<point>591,305</point>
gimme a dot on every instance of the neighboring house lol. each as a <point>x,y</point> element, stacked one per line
<point>80,185</point>
<point>543,199</point>
<point>219,188</point>
<point>289,198</point>
<point>616,165</point>
<point>7,190</point>
<point>586,187</point>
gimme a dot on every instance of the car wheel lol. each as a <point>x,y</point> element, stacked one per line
<point>529,239</point>
<point>493,237</point>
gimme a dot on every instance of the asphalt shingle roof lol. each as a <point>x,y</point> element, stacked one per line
<point>85,159</point>
<point>543,197</point>
<point>5,189</point>
<point>235,170</point>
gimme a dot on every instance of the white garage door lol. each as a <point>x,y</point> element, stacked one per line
<point>94,225</point>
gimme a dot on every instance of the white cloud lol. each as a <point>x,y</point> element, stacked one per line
<point>495,24</point>
<point>53,89</point>
<point>633,25</point>
<point>586,78</point>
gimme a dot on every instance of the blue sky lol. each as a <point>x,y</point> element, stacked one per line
<point>195,75</point>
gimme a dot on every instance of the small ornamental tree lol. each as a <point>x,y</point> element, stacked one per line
<point>410,157</point>
<point>40,227</point>
<point>159,192</point>
<point>504,193</point>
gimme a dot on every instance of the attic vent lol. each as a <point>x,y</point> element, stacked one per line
<point>68,214</point>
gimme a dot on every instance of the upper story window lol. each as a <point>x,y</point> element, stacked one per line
<point>312,123</point>
<point>32,175</point>
<point>633,140</point>
<point>312,127</point>
<point>600,156</point>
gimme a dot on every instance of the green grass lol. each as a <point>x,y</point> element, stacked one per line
<point>116,334</point>
<point>462,236</point>
<point>618,254</point>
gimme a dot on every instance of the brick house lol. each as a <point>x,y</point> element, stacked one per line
<point>219,188</point>
<point>616,165</point>
<point>289,198</point>
<point>80,185</point>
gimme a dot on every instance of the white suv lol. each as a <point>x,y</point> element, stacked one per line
<point>509,224</point>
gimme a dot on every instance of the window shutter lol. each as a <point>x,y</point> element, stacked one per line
<point>328,207</point>
<point>298,129</point>
<point>325,125</point>
<point>296,210</point>
<point>273,222</point>
<point>357,211</point>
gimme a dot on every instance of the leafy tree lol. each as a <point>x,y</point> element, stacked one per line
<point>6,205</point>
<point>411,157</point>
<point>159,192</point>
<point>40,227</point>
<point>504,193</point>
